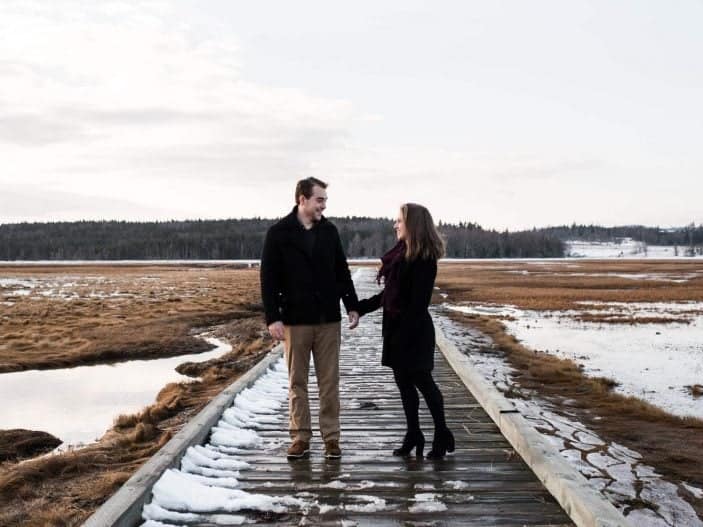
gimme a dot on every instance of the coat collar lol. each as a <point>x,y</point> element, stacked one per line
<point>291,220</point>
<point>296,232</point>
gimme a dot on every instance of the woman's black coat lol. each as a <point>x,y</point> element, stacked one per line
<point>409,338</point>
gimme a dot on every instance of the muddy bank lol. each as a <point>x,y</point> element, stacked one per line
<point>19,444</point>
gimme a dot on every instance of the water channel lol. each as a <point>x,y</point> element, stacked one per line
<point>77,405</point>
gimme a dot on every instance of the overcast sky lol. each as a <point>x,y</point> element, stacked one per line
<point>507,113</point>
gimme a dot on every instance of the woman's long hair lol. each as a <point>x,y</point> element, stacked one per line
<point>422,238</point>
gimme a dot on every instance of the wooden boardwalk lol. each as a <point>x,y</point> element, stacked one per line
<point>483,483</point>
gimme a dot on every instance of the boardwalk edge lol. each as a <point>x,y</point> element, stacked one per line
<point>124,508</point>
<point>585,506</point>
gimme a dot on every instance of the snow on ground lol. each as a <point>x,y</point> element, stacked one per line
<point>70,288</point>
<point>60,287</point>
<point>357,273</point>
<point>16,282</point>
<point>366,504</point>
<point>655,362</point>
<point>612,469</point>
<point>427,502</point>
<point>678,278</point>
<point>624,248</point>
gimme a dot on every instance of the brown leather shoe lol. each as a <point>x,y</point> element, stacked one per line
<point>299,449</point>
<point>332,450</point>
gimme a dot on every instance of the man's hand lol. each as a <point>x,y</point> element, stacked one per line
<point>353,319</point>
<point>277,331</point>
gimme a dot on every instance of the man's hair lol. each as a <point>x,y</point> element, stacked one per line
<point>304,187</point>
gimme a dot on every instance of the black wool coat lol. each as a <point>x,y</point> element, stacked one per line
<point>408,338</point>
<point>303,283</point>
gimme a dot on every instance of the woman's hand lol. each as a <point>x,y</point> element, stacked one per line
<point>353,319</point>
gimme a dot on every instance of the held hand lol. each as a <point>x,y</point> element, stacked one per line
<point>353,319</point>
<point>277,331</point>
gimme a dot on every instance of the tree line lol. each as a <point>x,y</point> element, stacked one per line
<point>232,239</point>
<point>688,236</point>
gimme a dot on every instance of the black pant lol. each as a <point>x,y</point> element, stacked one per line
<point>408,384</point>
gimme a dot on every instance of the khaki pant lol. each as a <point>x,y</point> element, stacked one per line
<point>323,340</point>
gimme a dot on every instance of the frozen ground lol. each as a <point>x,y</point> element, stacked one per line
<point>248,263</point>
<point>69,288</point>
<point>636,489</point>
<point>673,277</point>
<point>625,248</point>
<point>655,362</point>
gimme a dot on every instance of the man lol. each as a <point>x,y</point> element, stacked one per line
<point>304,273</point>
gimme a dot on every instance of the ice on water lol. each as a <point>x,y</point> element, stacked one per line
<point>612,469</point>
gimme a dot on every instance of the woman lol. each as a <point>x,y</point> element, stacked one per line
<point>408,272</point>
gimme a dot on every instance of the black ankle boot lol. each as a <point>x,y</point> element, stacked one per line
<point>411,440</point>
<point>442,443</point>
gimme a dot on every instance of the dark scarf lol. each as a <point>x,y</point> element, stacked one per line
<point>390,272</point>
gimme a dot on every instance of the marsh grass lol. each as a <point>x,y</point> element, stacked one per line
<point>117,315</point>
<point>79,481</point>
<point>629,320</point>
<point>64,489</point>
<point>557,286</point>
<point>669,443</point>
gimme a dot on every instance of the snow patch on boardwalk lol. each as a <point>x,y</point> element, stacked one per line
<point>207,481</point>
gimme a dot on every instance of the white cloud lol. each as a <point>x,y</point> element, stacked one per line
<point>506,114</point>
<point>129,90</point>
<point>18,202</point>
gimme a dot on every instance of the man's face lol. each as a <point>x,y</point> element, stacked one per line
<point>314,206</point>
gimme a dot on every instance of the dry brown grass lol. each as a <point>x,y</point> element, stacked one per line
<point>65,489</point>
<point>626,319</point>
<point>560,286</point>
<point>153,317</point>
<point>669,443</point>
<point>77,482</point>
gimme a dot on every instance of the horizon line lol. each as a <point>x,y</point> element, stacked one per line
<point>382,218</point>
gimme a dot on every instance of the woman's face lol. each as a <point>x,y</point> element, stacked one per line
<point>399,227</point>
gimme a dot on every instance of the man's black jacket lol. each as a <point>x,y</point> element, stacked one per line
<point>299,287</point>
